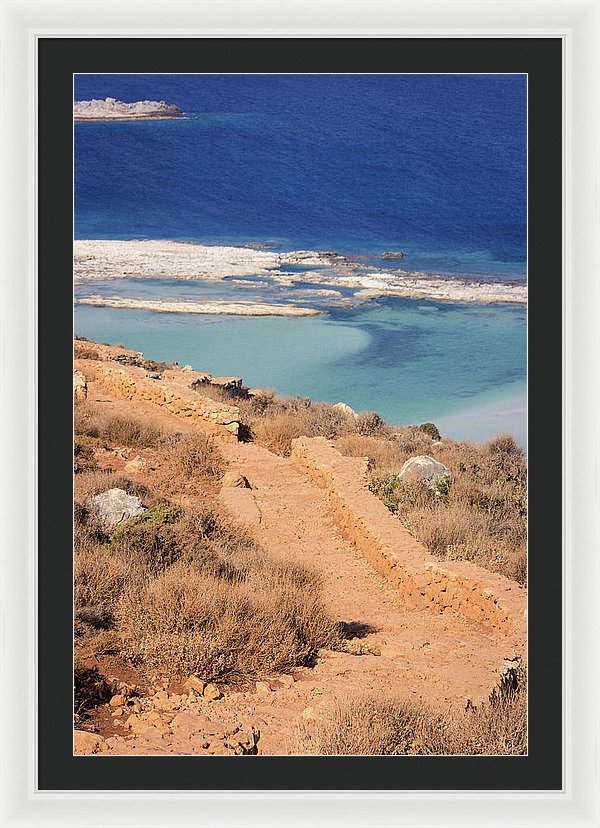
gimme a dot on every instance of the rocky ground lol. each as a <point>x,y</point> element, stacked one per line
<point>441,659</point>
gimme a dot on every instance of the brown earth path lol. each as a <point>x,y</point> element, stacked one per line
<point>441,659</point>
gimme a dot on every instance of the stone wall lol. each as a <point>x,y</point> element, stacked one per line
<point>424,581</point>
<point>173,393</point>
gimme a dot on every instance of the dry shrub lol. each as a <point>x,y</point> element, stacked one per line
<point>274,421</point>
<point>99,580</point>
<point>85,351</point>
<point>480,515</point>
<point>459,532</point>
<point>385,457</point>
<point>371,424</point>
<point>413,441</point>
<point>189,462</point>
<point>225,610</point>
<point>88,372</point>
<point>229,396</point>
<point>83,458</point>
<point>90,483</point>
<point>276,431</point>
<point>185,622</point>
<point>90,690</point>
<point>90,421</point>
<point>390,727</point>
<point>148,542</point>
<point>191,592</point>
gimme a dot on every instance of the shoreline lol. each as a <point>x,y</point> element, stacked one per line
<point>189,261</point>
<point>80,119</point>
<point>110,109</point>
<point>216,307</point>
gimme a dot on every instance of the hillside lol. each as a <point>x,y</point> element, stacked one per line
<point>314,594</point>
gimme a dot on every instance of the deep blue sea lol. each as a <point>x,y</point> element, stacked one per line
<point>433,165</point>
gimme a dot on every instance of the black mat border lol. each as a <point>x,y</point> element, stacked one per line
<point>59,58</point>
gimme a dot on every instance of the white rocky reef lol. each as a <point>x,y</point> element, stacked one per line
<point>161,259</point>
<point>213,307</point>
<point>110,109</point>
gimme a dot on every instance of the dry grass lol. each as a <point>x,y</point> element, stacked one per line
<point>83,458</point>
<point>186,621</point>
<point>190,592</point>
<point>274,421</point>
<point>371,726</point>
<point>90,483</point>
<point>481,516</point>
<point>90,421</point>
<point>188,462</point>
<point>85,350</point>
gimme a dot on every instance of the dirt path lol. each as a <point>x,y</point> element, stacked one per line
<point>441,659</point>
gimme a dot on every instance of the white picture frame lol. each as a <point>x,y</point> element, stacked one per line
<point>578,24</point>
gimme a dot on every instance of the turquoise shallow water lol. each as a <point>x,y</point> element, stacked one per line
<point>433,165</point>
<point>462,366</point>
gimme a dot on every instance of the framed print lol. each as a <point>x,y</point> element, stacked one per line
<point>303,543</point>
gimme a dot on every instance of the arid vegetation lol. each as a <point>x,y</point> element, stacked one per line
<point>480,514</point>
<point>391,726</point>
<point>181,590</point>
<point>178,591</point>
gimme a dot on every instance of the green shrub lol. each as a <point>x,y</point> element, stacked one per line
<point>149,540</point>
<point>431,429</point>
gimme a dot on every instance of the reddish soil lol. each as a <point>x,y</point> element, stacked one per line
<point>440,658</point>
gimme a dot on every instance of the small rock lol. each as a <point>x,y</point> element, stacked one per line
<point>234,480</point>
<point>152,732</point>
<point>137,464</point>
<point>309,713</point>
<point>85,742</point>
<point>212,692</point>
<point>190,723</point>
<point>263,688</point>
<point>198,742</point>
<point>116,713</point>
<point>118,700</point>
<point>194,685</point>
<point>219,749</point>
<point>286,680</point>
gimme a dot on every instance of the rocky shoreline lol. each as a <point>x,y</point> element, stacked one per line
<point>162,259</point>
<point>216,307</point>
<point>111,109</point>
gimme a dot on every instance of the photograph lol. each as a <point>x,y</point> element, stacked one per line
<point>300,414</point>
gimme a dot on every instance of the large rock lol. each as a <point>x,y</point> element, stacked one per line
<point>115,506</point>
<point>424,469</point>
<point>345,409</point>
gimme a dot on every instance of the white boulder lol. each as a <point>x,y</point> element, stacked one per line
<point>424,469</point>
<point>345,409</point>
<point>115,506</point>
